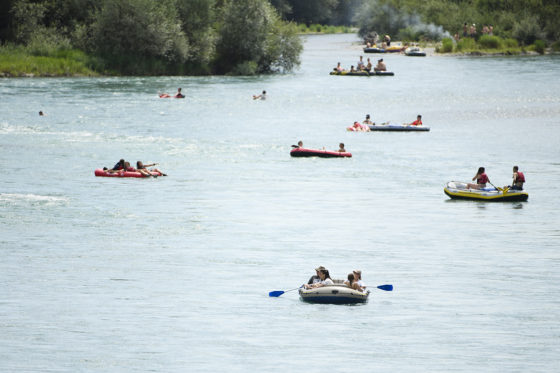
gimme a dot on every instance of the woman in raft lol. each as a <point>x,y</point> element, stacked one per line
<point>481,179</point>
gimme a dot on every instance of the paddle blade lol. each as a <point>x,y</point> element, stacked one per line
<point>276,293</point>
<point>386,287</point>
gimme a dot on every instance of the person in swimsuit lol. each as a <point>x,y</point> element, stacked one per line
<point>143,169</point>
<point>341,148</point>
<point>481,179</point>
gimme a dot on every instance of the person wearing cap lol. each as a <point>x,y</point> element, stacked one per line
<point>367,121</point>
<point>352,282</point>
<point>325,279</point>
<point>358,278</point>
<point>315,278</point>
<point>380,66</point>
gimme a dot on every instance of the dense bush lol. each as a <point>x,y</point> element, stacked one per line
<point>490,42</point>
<point>510,43</point>
<point>527,30</point>
<point>446,46</point>
<point>466,44</point>
<point>540,45</point>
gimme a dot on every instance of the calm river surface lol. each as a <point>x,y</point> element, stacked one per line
<point>172,274</point>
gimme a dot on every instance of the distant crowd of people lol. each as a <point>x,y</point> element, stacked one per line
<point>323,278</point>
<point>471,32</point>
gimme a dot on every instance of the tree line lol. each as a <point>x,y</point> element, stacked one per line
<point>158,37</point>
<point>247,36</point>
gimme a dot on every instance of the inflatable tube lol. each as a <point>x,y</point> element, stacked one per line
<point>397,128</point>
<point>414,52</point>
<point>348,73</point>
<point>165,95</point>
<point>333,294</point>
<point>374,50</point>
<point>103,173</point>
<point>382,73</point>
<point>362,73</point>
<point>458,190</point>
<point>302,152</point>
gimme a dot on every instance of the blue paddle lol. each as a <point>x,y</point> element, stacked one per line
<point>277,293</point>
<point>386,287</point>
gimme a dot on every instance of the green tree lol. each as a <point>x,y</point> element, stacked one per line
<point>252,35</point>
<point>198,23</point>
<point>141,28</point>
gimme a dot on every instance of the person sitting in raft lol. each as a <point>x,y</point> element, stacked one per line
<point>353,283</point>
<point>179,94</point>
<point>325,280</point>
<point>338,68</point>
<point>380,66</point>
<point>518,179</point>
<point>352,69</point>
<point>367,121</point>
<point>417,122</point>
<point>119,166</point>
<point>143,169</point>
<point>358,276</point>
<point>361,66</point>
<point>341,148</point>
<point>316,277</point>
<point>481,180</point>
<point>368,66</point>
<point>262,96</point>
<point>299,145</point>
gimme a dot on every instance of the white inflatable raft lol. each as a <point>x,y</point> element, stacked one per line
<point>333,294</point>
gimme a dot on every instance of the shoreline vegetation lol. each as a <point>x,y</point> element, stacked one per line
<point>250,37</point>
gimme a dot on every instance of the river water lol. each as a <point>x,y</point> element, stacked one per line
<point>172,274</point>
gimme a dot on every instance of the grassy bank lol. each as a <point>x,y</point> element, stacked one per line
<point>20,61</point>
<point>324,29</point>
<point>489,44</point>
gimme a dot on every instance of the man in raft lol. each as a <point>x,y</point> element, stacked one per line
<point>518,180</point>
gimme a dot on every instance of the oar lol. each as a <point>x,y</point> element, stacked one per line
<point>386,287</point>
<point>277,293</point>
<point>498,188</point>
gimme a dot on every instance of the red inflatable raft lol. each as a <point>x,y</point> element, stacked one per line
<point>103,173</point>
<point>302,152</point>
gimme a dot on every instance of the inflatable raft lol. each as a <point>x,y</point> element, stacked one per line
<point>397,128</point>
<point>302,152</point>
<point>414,52</point>
<point>104,173</point>
<point>333,294</point>
<point>390,49</point>
<point>459,190</point>
<point>165,95</point>
<point>363,73</point>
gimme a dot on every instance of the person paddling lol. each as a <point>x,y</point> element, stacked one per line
<point>518,179</point>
